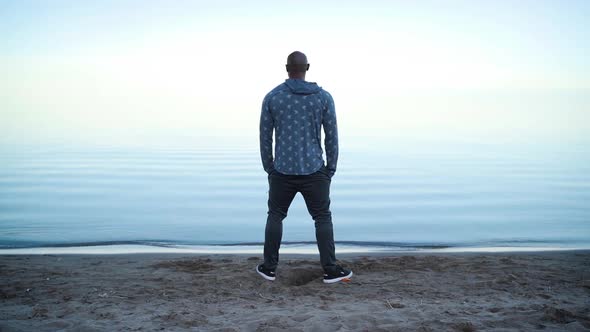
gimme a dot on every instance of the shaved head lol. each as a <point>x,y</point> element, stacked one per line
<point>297,63</point>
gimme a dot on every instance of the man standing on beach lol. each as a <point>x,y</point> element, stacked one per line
<point>296,110</point>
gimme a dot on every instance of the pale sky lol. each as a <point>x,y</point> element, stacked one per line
<point>147,70</point>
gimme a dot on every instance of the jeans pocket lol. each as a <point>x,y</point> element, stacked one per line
<point>324,170</point>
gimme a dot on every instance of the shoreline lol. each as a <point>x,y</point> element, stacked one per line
<point>303,249</point>
<point>467,291</point>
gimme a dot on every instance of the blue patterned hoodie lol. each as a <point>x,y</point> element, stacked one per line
<point>296,110</point>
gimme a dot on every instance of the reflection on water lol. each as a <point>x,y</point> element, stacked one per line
<point>456,195</point>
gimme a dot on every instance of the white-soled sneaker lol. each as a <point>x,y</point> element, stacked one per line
<point>339,274</point>
<point>265,273</point>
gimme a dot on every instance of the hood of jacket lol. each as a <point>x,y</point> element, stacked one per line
<point>302,87</point>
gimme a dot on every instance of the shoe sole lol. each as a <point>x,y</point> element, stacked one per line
<point>264,275</point>
<point>345,278</point>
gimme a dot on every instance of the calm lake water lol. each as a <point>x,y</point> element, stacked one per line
<point>389,196</point>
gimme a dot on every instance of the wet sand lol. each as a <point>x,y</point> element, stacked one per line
<point>395,292</point>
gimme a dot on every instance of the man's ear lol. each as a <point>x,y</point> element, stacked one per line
<point>287,68</point>
<point>307,67</point>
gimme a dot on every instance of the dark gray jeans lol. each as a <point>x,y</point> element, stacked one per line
<point>315,189</point>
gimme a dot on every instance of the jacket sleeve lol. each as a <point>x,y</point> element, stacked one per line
<point>331,134</point>
<point>266,132</point>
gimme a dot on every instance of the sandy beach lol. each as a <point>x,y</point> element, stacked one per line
<point>394,292</point>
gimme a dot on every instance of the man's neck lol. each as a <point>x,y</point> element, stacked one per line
<point>297,77</point>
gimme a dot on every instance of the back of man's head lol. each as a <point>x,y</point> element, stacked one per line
<point>297,63</point>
